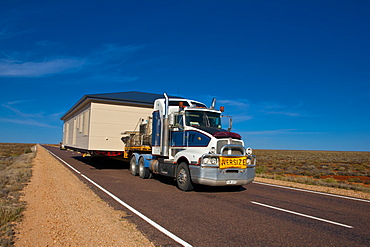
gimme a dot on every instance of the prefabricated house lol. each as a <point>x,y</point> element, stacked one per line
<point>97,121</point>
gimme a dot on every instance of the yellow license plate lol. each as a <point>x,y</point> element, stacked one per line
<point>240,162</point>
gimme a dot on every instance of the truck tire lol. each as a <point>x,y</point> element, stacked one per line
<point>143,171</point>
<point>183,178</point>
<point>133,166</point>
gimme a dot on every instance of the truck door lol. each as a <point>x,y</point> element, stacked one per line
<point>178,135</point>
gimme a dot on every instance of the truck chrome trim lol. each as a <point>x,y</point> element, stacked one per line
<point>165,129</point>
<point>219,177</point>
<point>208,166</point>
<point>230,147</point>
<point>253,159</point>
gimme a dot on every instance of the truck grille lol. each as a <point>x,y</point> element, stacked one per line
<point>222,143</point>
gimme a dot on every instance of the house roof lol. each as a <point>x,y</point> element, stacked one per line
<point>133,97</point>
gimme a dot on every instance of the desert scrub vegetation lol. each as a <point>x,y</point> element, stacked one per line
<point>347,170</point>
<point>15,172</point>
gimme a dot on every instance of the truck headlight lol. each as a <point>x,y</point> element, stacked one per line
<point>248,151</point>
<point>212,151</point>
<point>210,161</point>
<point>214,161</point>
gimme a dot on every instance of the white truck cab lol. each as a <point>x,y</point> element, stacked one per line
<point>188,143</point>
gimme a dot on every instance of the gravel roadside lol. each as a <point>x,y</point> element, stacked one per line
<point>63,211</point>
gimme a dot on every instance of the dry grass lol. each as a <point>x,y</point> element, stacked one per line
<point>346,170</point>
<point>15,172</point>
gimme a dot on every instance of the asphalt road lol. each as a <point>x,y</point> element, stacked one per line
<point>258,215</point>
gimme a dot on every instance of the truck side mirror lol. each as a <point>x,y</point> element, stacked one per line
<point>230,124</point>
<point>171,120</point>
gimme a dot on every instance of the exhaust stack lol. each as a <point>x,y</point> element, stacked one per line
<point>165,129</point>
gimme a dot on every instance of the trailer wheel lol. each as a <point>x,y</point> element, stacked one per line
<point>133,166</point>
<point>183,178</point>
<point>143,171</point>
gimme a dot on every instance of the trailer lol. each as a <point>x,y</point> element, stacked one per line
<point>160,134</point>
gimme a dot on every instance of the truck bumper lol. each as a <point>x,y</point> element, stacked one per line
<point>221,177</point>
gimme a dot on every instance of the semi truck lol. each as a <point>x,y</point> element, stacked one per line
<point>179,138</point>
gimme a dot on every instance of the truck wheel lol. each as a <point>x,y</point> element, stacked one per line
<point>143,171</point>
<point>183,177</point>
<point>133,166</point>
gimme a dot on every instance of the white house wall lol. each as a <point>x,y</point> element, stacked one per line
<point>108,121</point>
<point>77,129</point>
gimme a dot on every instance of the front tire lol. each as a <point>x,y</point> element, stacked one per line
<point>183,178</point>
<point>133,166</point>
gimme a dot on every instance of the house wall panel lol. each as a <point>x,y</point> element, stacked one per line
<point>76,129</point>
<point>108,121</point>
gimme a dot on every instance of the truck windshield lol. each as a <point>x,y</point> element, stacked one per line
<point>203,119</point>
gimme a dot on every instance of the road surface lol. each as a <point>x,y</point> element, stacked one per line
<point>257,215</point>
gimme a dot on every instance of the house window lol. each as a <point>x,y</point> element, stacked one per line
<point>66,133</point>
<point>81,123</point>
<point>74,131</point>
<point>86,118</point>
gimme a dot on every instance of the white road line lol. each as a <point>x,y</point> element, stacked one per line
<point>151,222</point>
<point>304,215</point>
<point>311,191</point>
<point>77,171</point>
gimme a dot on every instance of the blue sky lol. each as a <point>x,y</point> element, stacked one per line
<point>293,74</point>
